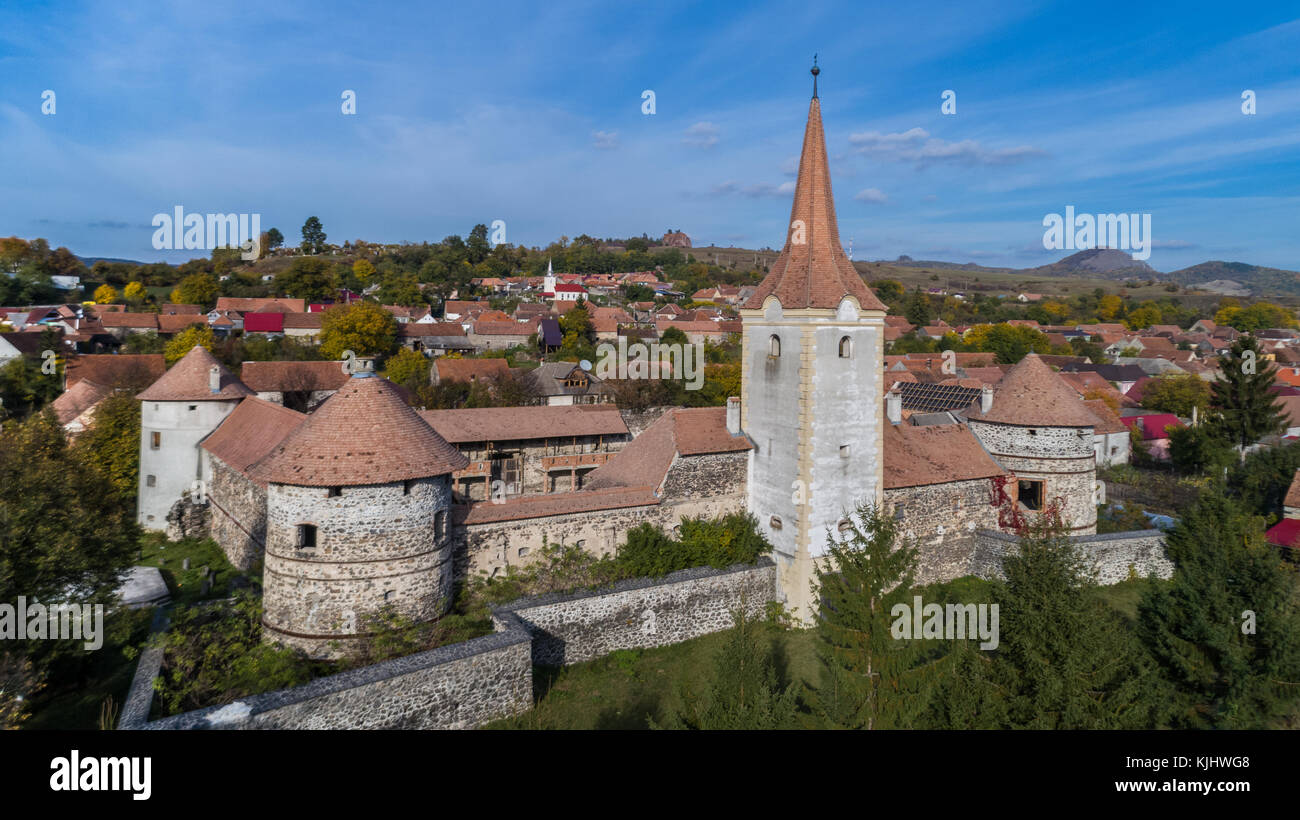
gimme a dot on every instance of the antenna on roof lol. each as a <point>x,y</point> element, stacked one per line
<point>815,72</point>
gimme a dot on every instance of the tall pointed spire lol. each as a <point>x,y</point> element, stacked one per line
<point>813,271</point>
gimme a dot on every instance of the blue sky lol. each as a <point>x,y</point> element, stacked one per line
<point>531,113</point>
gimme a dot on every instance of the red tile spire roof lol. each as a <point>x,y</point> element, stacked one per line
<point>1032,395</point>
<point>363,434</point>
<point>188,380</point>
<point>814,272</point>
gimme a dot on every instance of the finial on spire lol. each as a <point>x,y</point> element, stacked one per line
<point>815,72</point>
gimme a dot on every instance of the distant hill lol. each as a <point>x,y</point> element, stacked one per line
<point>1105,262</point>
<point>91,260</point>
<point>1259,280</point>
<point>909,262</point>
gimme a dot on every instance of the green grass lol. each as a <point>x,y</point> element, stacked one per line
<point>77,688</point>
<point>1123,597</point>
<point>625,689</point>
<point>186,585</point>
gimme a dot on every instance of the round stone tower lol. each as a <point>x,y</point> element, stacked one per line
<point>358,516</point>
<point>1037,427</point>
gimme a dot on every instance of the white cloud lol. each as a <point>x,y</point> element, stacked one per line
<point>871,195</point>
<point>916,145</point>
<point>605,139</point>
<point>702,135</point>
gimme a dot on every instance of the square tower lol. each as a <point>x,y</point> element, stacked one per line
<point>812,384</point>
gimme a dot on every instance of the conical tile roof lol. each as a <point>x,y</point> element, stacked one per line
<point>1032,395</point>
<point>363,434</point>
<point>188,381</point>
<point>813,271</point>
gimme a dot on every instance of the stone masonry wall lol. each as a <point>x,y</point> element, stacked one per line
<point>238,514</point>
<point>1061,457</point>
<point>1112,557</point>
<point>696,486</point>
<point>943,519</point>
<point>460,686</point>
<point>643,612</point>
<point>465,685</point>
<point>376,545</point>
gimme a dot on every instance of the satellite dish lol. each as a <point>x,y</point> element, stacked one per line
<point>584,364</point>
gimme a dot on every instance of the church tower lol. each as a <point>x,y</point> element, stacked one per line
<point>812,396</point>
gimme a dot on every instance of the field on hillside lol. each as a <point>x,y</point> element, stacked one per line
<point>991,283</point>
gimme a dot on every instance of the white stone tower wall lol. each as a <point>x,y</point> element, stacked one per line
<point>799,410</point>
<point>179,461</point>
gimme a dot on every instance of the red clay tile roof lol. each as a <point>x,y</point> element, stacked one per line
<point>302,320</point>
<point>188,381</point>
<point>1031,395</point>
<point>1293,493</point>
<point>540,506</point>
<point>1107,421</point>
<point>250,432</point>
<point>430,329</point>
<point>363,434</point>
<point>644,461</point>
<point>77,399</point>
<point>277,377</point>
<point>130,320</point>
<point>511,328</point>
<point>815,273</point>
<point>176,322</point>
<point>934,454</point>
<point>515,423</point>
<point>468,370</point>
<point>116,370</point>
<point>254,305</point>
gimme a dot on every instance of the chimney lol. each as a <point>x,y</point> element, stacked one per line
<point>986,399</point>
<point>214,379</point>
<point>894,406</point>
<point>733,415</point>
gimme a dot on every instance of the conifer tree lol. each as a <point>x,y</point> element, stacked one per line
<point>1066,660</point>
<point>1247,411</point>
<point>1230,669</point>
<point>870,680</point>
<point>744,692</point>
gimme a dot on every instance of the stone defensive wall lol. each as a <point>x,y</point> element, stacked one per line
<point>1113,557</point>
<point>468,684</point>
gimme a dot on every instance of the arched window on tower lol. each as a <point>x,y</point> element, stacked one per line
<point>846,347</point>
<point>774,346</point>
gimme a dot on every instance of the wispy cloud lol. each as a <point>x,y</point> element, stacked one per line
<point>702,135</point>
<point>604,140</point>
<point>756,191</point>
<point>915,145</point>
<point>871,195</point>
